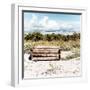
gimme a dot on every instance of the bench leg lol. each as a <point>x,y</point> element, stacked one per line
<point>30,57</point>
<point>59,56</point>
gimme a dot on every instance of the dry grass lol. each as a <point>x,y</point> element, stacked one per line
<point>73,46</point>
<point>69,45</point>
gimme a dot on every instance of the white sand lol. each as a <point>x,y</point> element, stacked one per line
<point>46,69</point>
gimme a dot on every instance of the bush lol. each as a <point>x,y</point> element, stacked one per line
<point>75,55</point>
<point>36,36</point>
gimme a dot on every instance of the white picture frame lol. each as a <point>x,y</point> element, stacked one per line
<point>16,41</point>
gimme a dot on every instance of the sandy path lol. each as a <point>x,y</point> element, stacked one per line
<point>45,69</point>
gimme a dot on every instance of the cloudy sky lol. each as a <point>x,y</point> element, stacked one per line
<point>51,22</point>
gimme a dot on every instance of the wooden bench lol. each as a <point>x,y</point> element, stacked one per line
<point>45,53</point>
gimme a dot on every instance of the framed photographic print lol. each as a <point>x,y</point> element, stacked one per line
<point>47,43</point>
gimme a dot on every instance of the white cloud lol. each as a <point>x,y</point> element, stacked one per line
<point>45,24</point>
<point>33,21</point>
<point>48,24</point>
<point>44,21</point>
<point>29,24</point>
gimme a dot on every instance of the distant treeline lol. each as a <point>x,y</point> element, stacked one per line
<point>36,36</point>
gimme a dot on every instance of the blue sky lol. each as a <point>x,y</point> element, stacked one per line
<point>57,17</point>
<point>44,22</point>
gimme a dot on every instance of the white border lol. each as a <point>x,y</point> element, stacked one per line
<point>16,63</point>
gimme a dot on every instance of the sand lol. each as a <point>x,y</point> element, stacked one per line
<point>44,69</point>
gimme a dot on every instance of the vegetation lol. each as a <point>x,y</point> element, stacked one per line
<point>65,42</point>
<point>36,36</point>
<point>75,55</point>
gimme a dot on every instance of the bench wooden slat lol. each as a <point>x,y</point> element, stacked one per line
<point>45,55</point>
<point>46,58</point>
<point>45,49</point>
<point>45,52</point>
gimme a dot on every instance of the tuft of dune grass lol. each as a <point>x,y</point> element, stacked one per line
<point>69,45</point>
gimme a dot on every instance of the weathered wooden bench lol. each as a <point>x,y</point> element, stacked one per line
<point>45,53</point>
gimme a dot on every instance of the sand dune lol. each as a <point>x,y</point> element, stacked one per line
<point>44,69</point>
